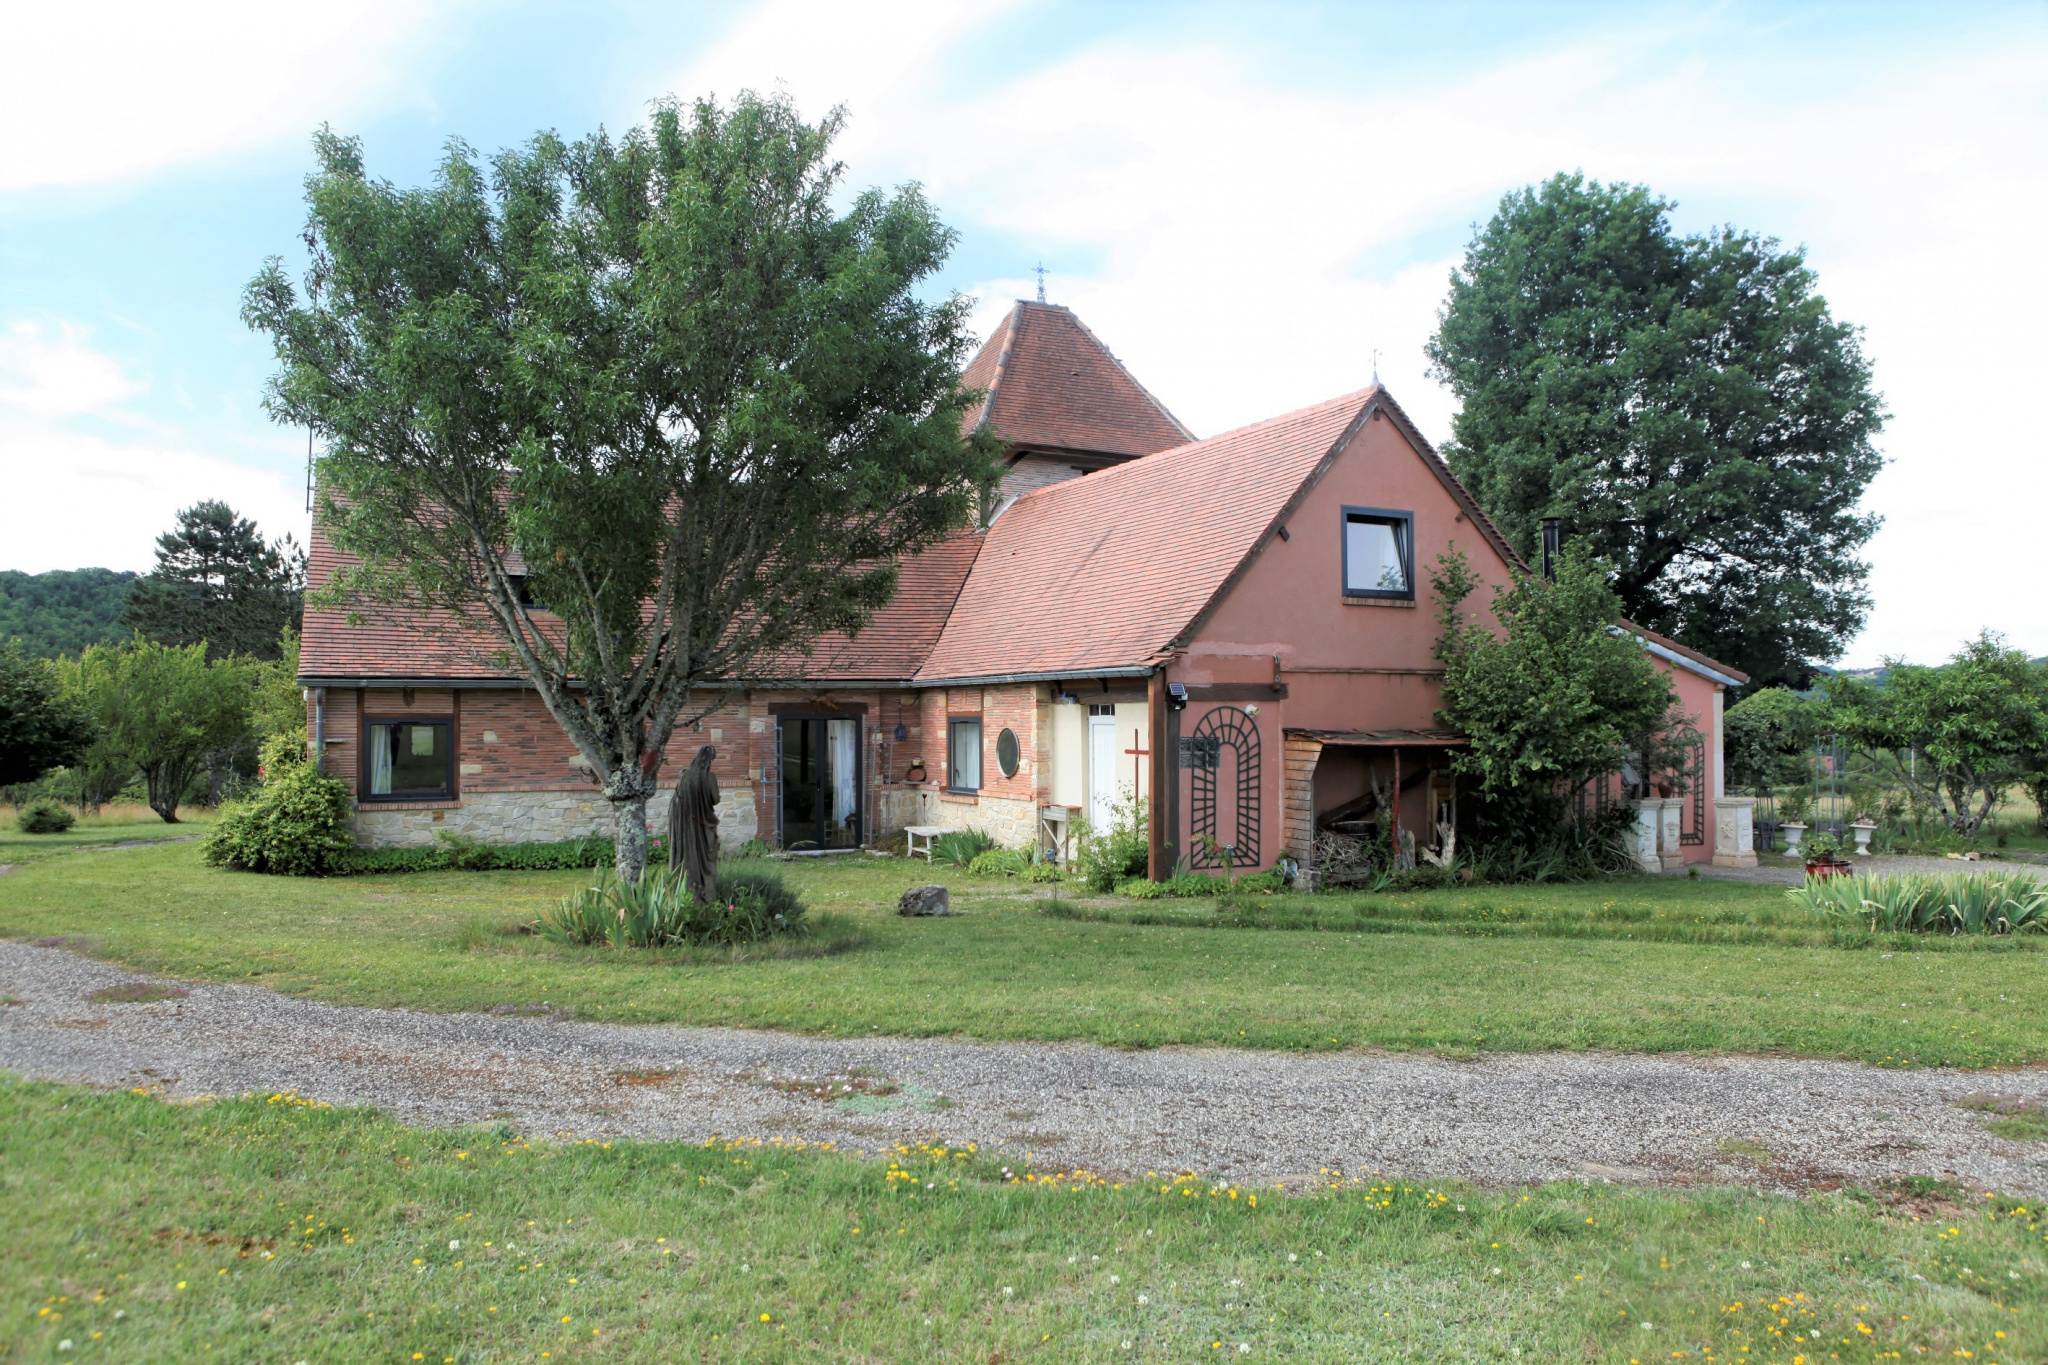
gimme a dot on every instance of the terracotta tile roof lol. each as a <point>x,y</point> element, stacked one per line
<point>904,631</point>
<point>1052,385</point>
<point>387,646</point>
<point>1152,541</point>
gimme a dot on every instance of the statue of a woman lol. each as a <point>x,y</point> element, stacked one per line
<point>693,827</point>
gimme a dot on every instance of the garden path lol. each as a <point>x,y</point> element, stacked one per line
<point>1777,1122</point>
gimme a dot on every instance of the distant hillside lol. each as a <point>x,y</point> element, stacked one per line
<point>63,611</point>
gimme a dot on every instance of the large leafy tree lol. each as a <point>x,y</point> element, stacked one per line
<point>217,581</point>
<point>40,728</point>
<point>1687,405</point>
<point>658,384</point>
<point>1955,736</point>
<point>159,709</point>
<point>1550,692</point>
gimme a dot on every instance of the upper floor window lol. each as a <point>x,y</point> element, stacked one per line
<point>963,754</point>
<point>1379,553</point>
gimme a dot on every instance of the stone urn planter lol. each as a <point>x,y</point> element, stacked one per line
<point>1863,829</point>
<point>1794,831</point>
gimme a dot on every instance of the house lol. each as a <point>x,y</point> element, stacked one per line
<point>1232,629</point>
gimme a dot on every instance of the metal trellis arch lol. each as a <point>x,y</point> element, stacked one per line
<point>1225,725</point>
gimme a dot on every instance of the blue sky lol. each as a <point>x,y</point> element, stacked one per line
<point>1245,201</point>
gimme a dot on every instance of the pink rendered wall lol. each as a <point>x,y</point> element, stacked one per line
<point>1348,664</point>
<point>1290,601</point>
<point>1364,665</point>
<point>1696,699</point>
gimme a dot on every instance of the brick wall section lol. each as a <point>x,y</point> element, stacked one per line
<point>507,745</point>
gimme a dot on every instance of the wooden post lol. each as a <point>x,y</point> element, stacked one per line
<point>1165,784</point>
<point>1396,807</point>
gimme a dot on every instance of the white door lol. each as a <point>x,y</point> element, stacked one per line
<point>1102,789</point>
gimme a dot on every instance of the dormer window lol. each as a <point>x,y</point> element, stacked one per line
<point>1379,553</point>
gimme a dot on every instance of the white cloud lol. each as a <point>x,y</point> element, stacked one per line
<point>91,92</point>
<point>60,376</point>
<point>1226,203</point>
<point>84,477</point>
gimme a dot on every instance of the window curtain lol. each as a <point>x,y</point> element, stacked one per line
<point>381,744</point>
<point>844,759</point>
<point>965,757</point>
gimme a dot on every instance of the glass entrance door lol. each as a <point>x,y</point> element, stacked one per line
<point>820,782</point>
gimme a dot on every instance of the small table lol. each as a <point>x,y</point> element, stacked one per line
<point>912,833</point>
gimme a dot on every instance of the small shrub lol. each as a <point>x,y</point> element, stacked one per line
<point>1044,873</point>
<point>1993,903</point>
<point>44,817</point>
<point>559,856</point>
<point>751,904</point>
<point>961,847</point>
<point>999,862</point>
<point>464,851</point>
<point>1105,857</point>
<point>296,824</point>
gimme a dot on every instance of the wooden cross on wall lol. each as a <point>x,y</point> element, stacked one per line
<point>1138,755</point>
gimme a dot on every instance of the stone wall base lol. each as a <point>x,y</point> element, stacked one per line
<point>538,818</point>
<point>1010,822</point>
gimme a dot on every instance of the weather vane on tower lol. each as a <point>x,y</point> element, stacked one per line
<point>1039,270</point>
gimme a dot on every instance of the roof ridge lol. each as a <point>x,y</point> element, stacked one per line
<point>1009,327</point>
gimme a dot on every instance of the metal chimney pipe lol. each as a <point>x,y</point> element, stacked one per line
<point>1550,549</point>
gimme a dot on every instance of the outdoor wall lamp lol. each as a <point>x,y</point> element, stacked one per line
<point>1176,696</point>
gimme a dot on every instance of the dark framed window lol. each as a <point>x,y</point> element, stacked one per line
<point>1007,753</point>
<point>963,754</point>
<point>408,760</point>
<point>1379,553</point>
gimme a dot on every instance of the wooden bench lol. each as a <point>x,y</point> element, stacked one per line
<point>912,833</point>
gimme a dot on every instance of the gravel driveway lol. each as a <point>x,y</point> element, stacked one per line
<point>1777,1122</point>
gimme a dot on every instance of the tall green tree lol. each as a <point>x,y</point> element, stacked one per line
<point>160,710</point>
<point>1955,736</point>
<point>218,582</point>
<point>1550,693</point>
<point>659,384</point>
<point>1686,405</point>
<point>40,728</point>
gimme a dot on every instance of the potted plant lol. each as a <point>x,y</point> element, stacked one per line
<point>1863,827</point>
<point>1824,856</point>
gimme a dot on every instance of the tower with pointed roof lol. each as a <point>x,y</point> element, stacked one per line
<point>1061,403</point>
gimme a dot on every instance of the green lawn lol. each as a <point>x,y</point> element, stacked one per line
<point>261,1229</point>
<point>113,825</point>
<point>1601,966</point>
